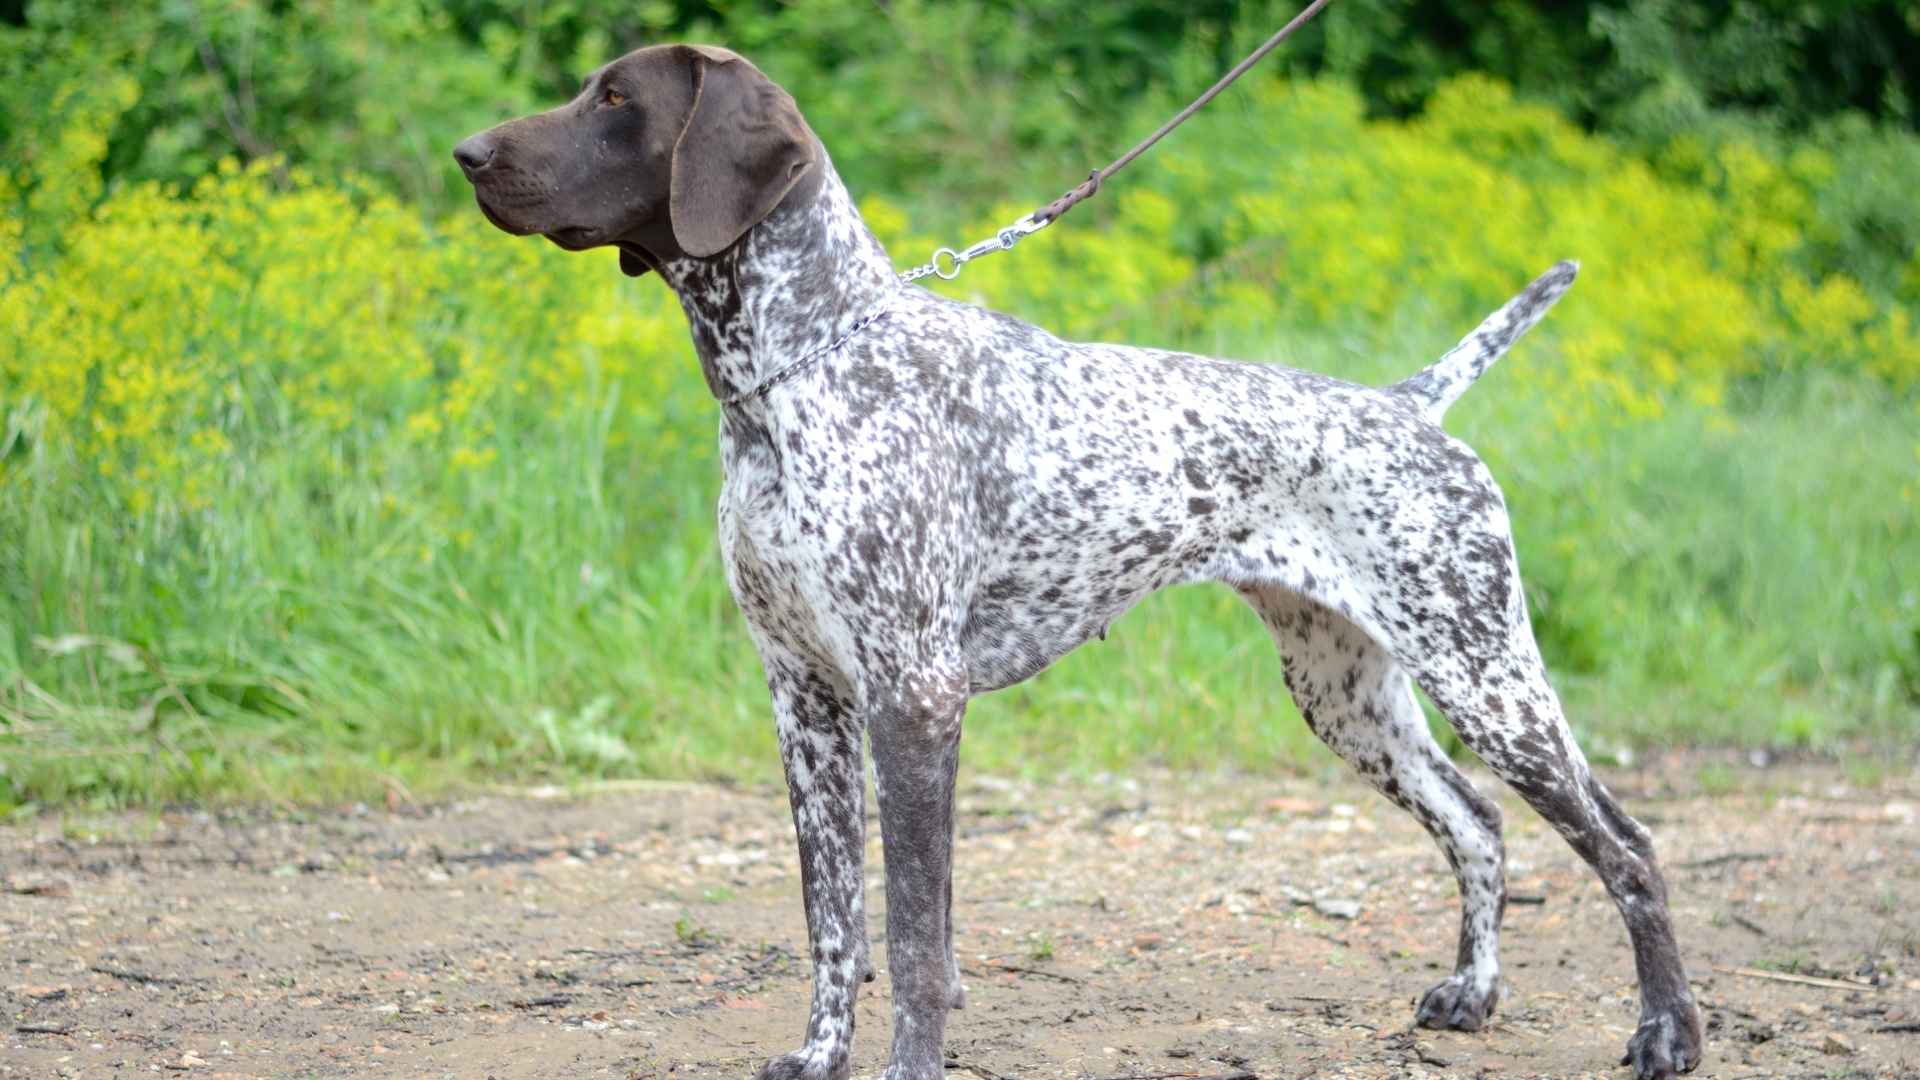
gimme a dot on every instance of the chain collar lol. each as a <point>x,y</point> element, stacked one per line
<point>800,365</point>
<point>946,265</point>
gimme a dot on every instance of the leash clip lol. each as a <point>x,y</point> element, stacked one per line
<point>946,262</point>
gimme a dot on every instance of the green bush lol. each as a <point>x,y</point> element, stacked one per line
<point>303,494</point>
<point>948,100</point>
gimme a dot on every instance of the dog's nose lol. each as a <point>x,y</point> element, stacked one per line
<point>474,153</point>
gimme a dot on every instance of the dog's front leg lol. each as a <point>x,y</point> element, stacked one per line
<point>820,744</point>
<point>916,753</point>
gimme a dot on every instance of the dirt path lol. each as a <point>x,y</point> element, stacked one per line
<point>1170,926</point>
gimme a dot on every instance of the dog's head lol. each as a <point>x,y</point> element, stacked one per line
<point>668,151</point>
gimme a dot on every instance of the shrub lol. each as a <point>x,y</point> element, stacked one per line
<point>286,468</point>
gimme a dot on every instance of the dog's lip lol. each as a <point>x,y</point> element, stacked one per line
<point>498,221</point>
<point>570,237</point>
<point>575,237</point>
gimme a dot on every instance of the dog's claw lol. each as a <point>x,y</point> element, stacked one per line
<point>1457,1004</point>
<point>1666,1044</point>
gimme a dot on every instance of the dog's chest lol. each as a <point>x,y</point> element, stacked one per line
<point>810,561</point>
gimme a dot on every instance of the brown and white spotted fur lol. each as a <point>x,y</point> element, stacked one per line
<point>932,501</point>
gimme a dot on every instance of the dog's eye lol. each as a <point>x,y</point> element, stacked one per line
<point>614,98</point>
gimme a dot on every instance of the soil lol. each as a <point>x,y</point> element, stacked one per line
<point>1157,926</point>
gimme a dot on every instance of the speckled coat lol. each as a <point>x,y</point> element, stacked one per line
<point>925,500</point>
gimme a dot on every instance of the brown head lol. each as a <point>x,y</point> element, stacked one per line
<point>669,151</point>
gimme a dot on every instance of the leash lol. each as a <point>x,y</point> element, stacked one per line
<point>946,262</point>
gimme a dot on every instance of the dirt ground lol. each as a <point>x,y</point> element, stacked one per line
<point>1164,926</point>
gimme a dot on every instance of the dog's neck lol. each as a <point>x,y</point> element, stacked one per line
<point>797,282</point>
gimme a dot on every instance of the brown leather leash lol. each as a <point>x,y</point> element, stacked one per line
<point>946,262</point>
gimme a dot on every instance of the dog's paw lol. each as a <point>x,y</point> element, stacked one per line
<point>1457,1004</point>
<point>1667,1043</point>
<point>806,1065</point>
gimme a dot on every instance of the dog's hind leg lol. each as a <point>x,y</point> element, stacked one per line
<point>1361,704</point>
<point>1506,713</point>
<point>1460,624</point>
<point>820,744</point>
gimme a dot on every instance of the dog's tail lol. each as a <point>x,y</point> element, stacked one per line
<point>1439,385</point>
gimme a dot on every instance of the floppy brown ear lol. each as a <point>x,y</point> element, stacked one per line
<point>744,147</point>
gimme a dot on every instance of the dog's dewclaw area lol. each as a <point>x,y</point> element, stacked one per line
<point>1162,927</point>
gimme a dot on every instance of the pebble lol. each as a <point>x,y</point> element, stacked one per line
<point>1337,908</point>
<point>1836,1043</point>
<point>40,885</point>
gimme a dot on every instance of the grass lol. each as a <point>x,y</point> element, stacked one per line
<point>1692,582</point>
<point>404,507</point>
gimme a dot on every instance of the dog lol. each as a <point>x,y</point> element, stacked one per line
<point>925,500</point>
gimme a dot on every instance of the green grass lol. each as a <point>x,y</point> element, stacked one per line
<point>301,499</point>
<point>1690,584</point>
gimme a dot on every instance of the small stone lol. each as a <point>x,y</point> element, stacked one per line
<point>191,1060</point>
<point>40,885</point>
<point>1836,1043</point>
<point>1334,908</point>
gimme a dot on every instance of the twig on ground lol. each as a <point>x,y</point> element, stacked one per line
<point>1237,1074</point>
<point>140,977</point>
<point>978,1070</point>
<point>1526,899</point>
<point>1746,924</point>
<point>1906,1029</point>
<point>1728,859</point>
<point>42,1029</point>
<point>1801,980</point>
<point>1017,969</point>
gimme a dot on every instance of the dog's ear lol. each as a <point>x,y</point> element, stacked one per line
<point>744,147</point>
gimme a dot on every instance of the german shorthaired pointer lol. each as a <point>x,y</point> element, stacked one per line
<point>925,501</point>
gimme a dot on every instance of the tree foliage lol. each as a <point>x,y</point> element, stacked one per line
<point>916,93</point>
